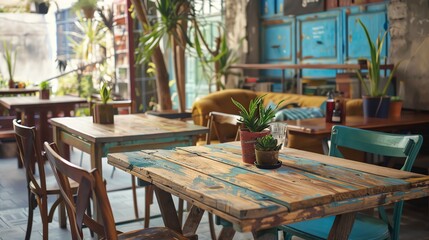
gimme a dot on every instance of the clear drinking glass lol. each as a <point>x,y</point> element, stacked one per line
<point>278,131</point>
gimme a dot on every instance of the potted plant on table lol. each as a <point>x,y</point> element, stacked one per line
<point>254,124</point>
<point>87,6</point>
<point>10,58</point>
<point>103,112</point>
<point>267,152</point>
<point>395,107</point>
<point>44,90</point>
<point>375,103</point>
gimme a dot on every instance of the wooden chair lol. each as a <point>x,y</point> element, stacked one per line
<point>365,226</point>
<point>90,182</point>
<point>216,124</point>
<point>39,186</point>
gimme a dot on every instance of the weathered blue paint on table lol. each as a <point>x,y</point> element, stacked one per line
<point>129,132</point>
<point>307,186</point>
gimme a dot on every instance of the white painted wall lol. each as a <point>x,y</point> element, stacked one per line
<point>32,36</point>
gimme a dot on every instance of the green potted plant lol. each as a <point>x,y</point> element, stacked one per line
<point>267,152</point>
<point>375,103</point>
<point>254,124</point>
<point>10,58</point>
<point>103,112</point>
<point>44,90</point>
<point>87,6</point>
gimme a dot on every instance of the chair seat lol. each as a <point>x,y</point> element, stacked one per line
<point>364,228</point>
<point>52,185</point>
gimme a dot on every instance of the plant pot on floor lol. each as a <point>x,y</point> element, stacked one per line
<point>248,140</point>
<point>103,113</point>
<point>44,94</point>
<point>377,107</point>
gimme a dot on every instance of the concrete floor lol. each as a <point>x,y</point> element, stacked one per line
<point>13,207</point>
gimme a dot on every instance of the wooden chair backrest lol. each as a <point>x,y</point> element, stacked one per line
<point>383,144</point>
<point>89,182</point>
<point>217,123</point>
<point>30,154</point>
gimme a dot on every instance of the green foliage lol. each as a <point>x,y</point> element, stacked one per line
<point>374,89</point>
<point>395,99</point>
<point>44,85</point>
<point>169,25</point>
<point>267,143</point>
<point>91,34</point>
<point>10,58</point>
<point>84,4</point>
<point>257,117</point>
<point>105,93</point>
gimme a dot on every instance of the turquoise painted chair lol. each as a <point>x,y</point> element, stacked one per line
<point>365,227</point>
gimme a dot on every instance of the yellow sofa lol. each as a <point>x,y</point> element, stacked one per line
<point>221,102</point>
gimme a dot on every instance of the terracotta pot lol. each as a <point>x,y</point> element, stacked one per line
<point>266,158</point>
<point>377,107</point>
<point>395,109</point>
<point>103,113</point>
<point>248,140</point>
<point>44,94</point>
<point>88,12</point>
<point>11,83</point>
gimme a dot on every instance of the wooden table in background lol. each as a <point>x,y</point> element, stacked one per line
<point>319,129</point>
<point>18,91</point>
<point>307,186</point>
<point>129,132</point>
<point>27,107</point>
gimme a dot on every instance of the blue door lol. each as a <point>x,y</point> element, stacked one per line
<point>319,41</point>
<point>375,19</point>
<point>278,45</point>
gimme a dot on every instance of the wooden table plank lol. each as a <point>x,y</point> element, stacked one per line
<point>237,203</point>
<point>288,187</point>
<point>241,202</point>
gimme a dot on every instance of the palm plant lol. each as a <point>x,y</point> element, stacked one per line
<point>374,88</point>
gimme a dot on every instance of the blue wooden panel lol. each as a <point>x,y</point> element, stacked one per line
<point>279,7</point>
<point>278,41</point>
<point>319,41</point>
<point>268,8</point>
<point>375,19</point>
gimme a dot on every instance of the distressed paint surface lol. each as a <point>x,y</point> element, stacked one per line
<point>307,186</point>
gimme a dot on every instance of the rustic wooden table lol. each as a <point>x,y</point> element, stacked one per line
<point>26,108</point>
<point>316,130</point>
<point>307,186</point>
<point>129,132</point>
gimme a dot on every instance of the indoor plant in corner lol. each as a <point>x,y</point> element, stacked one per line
<point>254,124</point>
<point>103,112</point>
<point>267,152</point>
<point>44,90</point>
<point>375,103</point>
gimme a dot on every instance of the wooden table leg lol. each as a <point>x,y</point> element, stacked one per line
<point>267,234</point>
<point>66,154</point>
<point>193,220</point>
<point>168,211</point>
<point>227,233</point>
<point>342,226</point>
<point>96,162</point>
